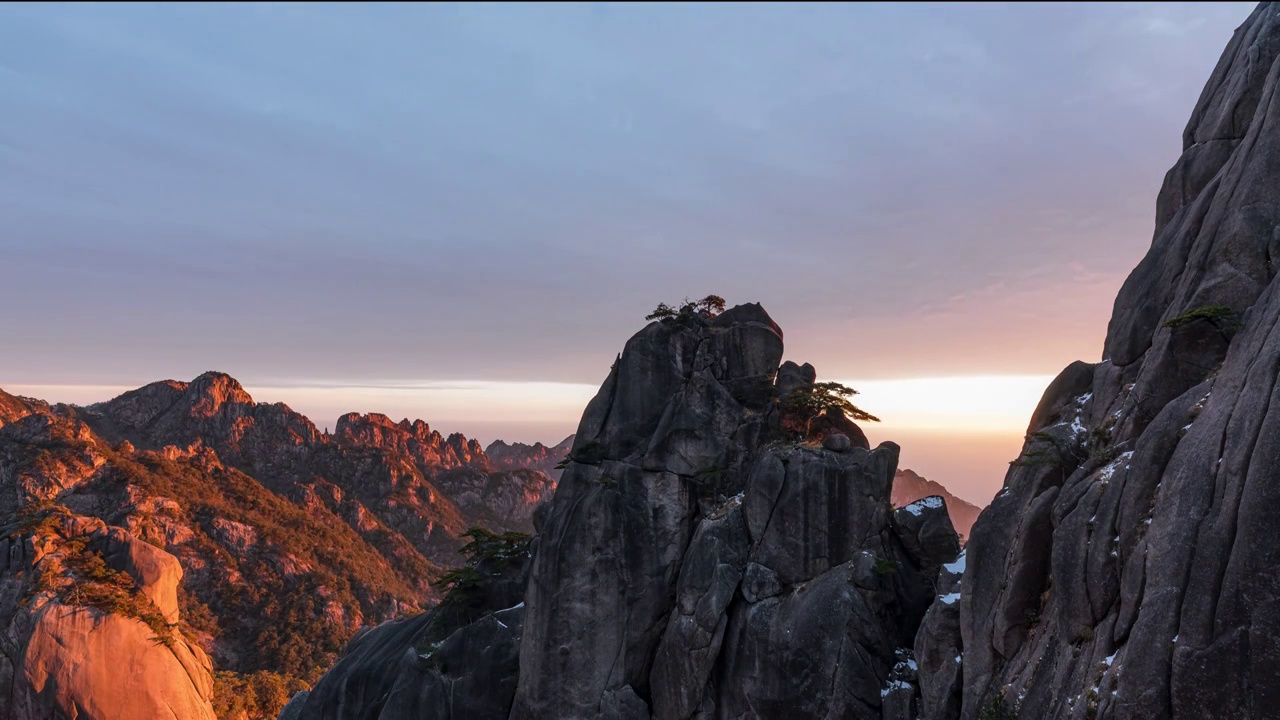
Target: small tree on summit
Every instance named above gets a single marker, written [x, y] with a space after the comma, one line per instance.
[662, 312]
[808, 403]
[711, 306]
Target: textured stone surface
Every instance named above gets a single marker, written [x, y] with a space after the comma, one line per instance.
[1126, 570]
[607, 561]
[156, 572]
[709, 577]
[450, 662]
[81, 663]
[471, 675]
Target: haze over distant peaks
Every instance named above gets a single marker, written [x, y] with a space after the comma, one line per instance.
[268, 542]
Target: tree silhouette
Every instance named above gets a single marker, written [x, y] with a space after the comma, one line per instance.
[808, 403]
[711, 306]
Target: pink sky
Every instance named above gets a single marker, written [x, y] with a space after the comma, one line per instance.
[461, 213]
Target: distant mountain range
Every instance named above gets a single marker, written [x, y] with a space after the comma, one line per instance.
[536, 456]
[270, 542]
[287, 540]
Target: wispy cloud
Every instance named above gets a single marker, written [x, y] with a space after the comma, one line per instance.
[365, 192]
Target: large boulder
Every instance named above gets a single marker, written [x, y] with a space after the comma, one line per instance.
[80, 662]
[156, 572]
[471, 675]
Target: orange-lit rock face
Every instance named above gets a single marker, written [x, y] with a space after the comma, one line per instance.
[190, 504]
[79, 662]
[156, 572]
[427, 448]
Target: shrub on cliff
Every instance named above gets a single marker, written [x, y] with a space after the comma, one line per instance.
[710, 306]
[93, 583]
[1221, 318]
[488, 555]
[807, 403]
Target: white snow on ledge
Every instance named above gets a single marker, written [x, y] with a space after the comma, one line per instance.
[932, 502]
[895, 685]
[1109, 470]
[958, 566]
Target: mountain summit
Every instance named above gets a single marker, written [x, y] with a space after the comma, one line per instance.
[721, 544]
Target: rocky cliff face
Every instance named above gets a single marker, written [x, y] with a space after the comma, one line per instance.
[696, 560]
[286, 542]
[14, 408]
[909, 487]
[416, 440]
[380, 476]
[88, 613]
[1127, 568]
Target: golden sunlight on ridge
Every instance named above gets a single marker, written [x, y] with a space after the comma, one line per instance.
[964, 405]
[962, 431]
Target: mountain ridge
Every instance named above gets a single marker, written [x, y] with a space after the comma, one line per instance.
[288, 540]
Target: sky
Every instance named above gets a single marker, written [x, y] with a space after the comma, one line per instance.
[461, 212]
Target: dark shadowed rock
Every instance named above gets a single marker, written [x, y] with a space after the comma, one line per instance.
[694, 562]
[924, 528]
[1126, 570]
[471, 675]
[808, 511]
[909, 487]
[709, 577]
[608, 558]
[457, 660]
[293, 709]
[792, 377]
[940, 650]
[836, 442]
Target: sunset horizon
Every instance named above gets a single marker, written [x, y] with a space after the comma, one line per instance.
[927, 416]
[658, 361]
